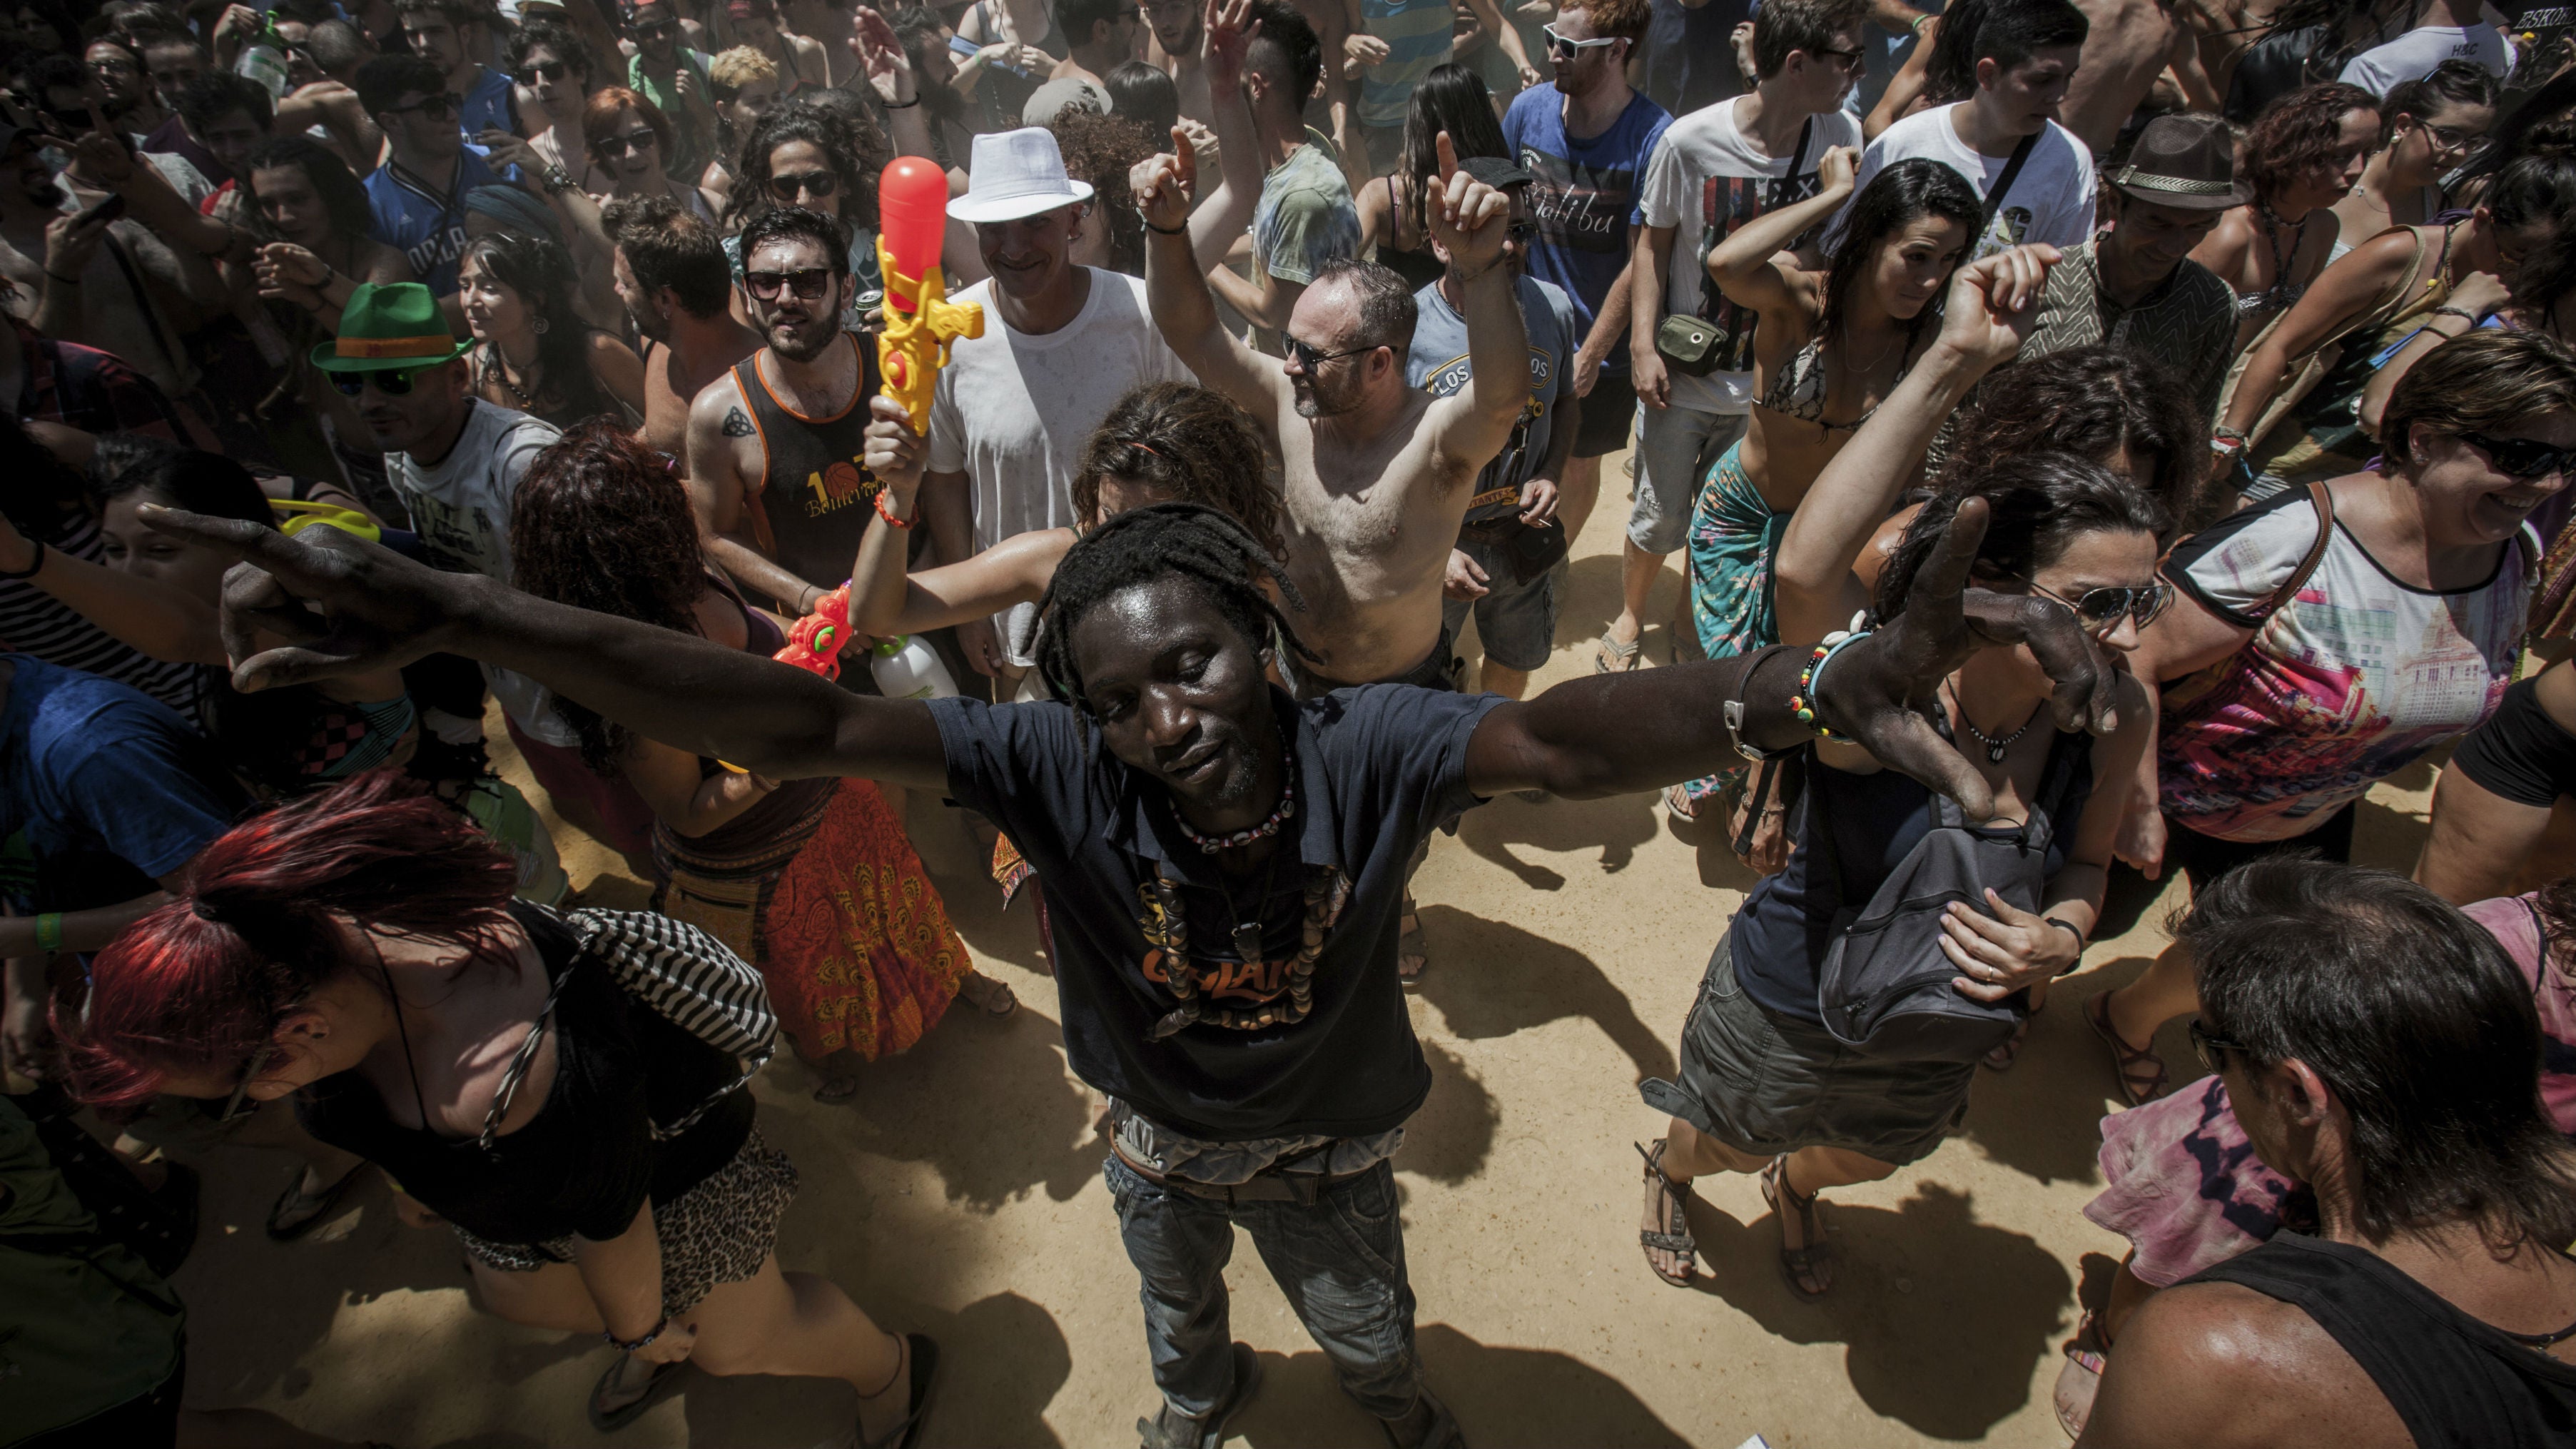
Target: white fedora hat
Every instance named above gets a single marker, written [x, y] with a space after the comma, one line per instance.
[1016, 174]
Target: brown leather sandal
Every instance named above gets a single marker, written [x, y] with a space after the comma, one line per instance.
[1800, 1266]
[1676, 1236]
[2141, 1072]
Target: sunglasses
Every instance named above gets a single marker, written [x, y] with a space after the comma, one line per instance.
[2212, 1048]
[1520, 230]
[1309, 357]
[241, 1090]
[638, 142]
[434, 107]
[1848, 59]
[818, 184]
[654, 29]
[114, 67]
[543, 72]
[808, 285]
[1567, 46]
[2523, 457]
[2099, 610]
[392, 381]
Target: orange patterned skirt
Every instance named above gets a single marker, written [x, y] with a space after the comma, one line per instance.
[818, 887]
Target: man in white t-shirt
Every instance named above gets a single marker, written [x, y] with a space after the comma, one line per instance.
[1062, 344]
[2446, 30]
[1714, 170]
[2026, 55]
[454, 460]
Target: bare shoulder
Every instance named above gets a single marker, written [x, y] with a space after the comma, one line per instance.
[2217, 1365]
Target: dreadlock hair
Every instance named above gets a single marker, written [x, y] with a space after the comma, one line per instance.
[1190, 444]
[1190, 541]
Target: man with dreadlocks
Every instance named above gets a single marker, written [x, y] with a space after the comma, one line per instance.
[1223, 863]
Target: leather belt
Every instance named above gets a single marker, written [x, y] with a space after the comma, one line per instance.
[1268, 1185]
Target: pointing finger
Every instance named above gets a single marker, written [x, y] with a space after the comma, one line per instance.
[236, 539]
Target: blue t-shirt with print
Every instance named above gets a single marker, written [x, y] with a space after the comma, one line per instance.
[490, 104]
[1585, 195]
[1377, 768]
[112, 788]
[1438, 364]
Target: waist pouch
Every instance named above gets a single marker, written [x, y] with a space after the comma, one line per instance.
[1687, 345]
[1529, 549]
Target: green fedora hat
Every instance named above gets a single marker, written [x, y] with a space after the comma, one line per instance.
[388, 326]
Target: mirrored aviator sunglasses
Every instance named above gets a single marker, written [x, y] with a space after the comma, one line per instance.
[391, 381]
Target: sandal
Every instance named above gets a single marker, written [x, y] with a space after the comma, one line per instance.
[1613, 657]
[2001, 1059]
[666, 1377]
[1799, 1266]
[991, 997]
[1676, 1235]
[833, 1091]
[2079, 1379]
[924, 1356]
[2141, 1073]
[1677, 803]
[1167, 1430]
[1412, 946]
[294, 1214]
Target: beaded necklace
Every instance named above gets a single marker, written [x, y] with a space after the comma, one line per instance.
[1183, 980]
[1287, 808]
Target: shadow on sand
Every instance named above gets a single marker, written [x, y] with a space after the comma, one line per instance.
[1491, 980]
[1503, 1397]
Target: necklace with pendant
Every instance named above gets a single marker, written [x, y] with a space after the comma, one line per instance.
[1994, 747]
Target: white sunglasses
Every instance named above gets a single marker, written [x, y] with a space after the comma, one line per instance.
[1567, 43]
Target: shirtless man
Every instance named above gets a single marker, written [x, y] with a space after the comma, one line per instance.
[1176, 37]
[775, 444]
[671, 273]
[1377, 472]
[2127, 50]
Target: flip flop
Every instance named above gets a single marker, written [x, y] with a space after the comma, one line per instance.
[2078, 1380]
[666, 1377]
[1412, 945]
[1613, 657]
[1000, 1001]
[284, 1230]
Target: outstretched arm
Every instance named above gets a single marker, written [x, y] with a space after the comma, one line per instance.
[1747, 266]
[1184, 311]
[1990, 309]
[1616, 733]
[351, 606]
[1469, 222]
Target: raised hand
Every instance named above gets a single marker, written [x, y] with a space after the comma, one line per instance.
[1837, 168]
[1228, 29]
[283, 269]
[894, 452]
[881, 54]
[1994, 302]
[1469, 219]
[344, 605]
[72, 239]
[1166, 186]
[1877, 691]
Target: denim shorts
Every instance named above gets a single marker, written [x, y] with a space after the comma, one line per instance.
[1765, 1083]
[1515, 621]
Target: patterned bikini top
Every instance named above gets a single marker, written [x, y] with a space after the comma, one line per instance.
[1798, 390]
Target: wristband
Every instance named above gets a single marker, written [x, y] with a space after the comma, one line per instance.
[1919, 22]
[887, 514]
[1181, 230]
[623, 1345]
[900, 105]
[1732, 711]
[49, 932]
[2069, 928]
[35, 561]
[2460, 312]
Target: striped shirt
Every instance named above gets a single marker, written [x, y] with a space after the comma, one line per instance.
[1418, 36]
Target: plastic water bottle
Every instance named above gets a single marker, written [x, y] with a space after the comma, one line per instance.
[906, 668]
[264, 59]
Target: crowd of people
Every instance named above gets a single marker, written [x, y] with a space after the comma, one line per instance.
[2098, 438]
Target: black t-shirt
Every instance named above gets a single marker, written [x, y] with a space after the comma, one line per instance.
[587, 1161]
[1378, 768]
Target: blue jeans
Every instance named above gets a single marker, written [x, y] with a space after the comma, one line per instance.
[1340, 1261]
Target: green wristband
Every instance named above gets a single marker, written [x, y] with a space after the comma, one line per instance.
[49, 932]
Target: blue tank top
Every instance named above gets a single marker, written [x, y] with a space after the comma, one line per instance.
[1782, 931]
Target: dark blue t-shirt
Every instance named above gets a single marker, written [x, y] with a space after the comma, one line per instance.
[1378, 768]
[112, 788]
[490, 104]
[1585, 195]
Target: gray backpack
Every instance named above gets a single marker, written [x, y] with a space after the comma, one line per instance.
[1884, 989]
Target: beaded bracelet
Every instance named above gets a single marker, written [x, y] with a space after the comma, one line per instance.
[1803, 703]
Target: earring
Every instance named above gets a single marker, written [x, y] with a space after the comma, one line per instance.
[541, 327]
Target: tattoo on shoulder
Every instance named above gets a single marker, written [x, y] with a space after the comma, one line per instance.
[737, 423]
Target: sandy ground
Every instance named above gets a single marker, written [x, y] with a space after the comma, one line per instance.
[960, 1194]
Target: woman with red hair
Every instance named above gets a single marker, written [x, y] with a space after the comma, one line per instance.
[360, 951]
[812, 881]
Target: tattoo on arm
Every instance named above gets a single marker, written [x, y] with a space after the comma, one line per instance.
[737, 423]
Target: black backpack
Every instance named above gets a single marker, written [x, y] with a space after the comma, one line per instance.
[1884, 989]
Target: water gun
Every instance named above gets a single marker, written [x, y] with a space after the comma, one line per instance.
[814, 642]
[920, 321]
